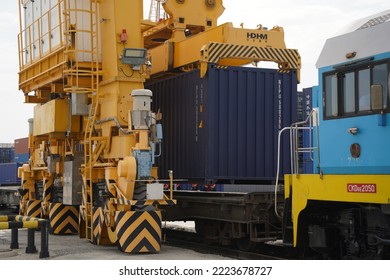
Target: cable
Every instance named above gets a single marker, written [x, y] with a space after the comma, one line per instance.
[128, 76]
[115, 120]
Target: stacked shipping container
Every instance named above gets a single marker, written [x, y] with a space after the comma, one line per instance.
[22, 153]
[6, 152]
[12, 156]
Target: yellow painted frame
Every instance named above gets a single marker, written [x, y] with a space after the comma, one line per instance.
[332, 188]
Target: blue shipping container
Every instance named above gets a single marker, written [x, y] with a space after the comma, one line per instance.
[22, 158]
[224, 127]
[9, 174]
[307, 97]
[6, 154]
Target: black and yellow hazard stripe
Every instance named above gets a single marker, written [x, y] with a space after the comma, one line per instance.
[19, 221]
[123, 201]
[289, 58]
[23, 193]
[96, 225]
[23, 200]
[34, 208]
[16, 224]
[4, 218]
[20, 218]
[138, 231]
[47, 192]
[99, 234]
[169, 202]
[63, 219]
[111, 187]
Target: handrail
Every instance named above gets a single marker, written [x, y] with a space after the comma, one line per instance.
[312, 120]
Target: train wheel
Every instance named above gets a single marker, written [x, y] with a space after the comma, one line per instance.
[100, 234]
[138, 231]
[63, 218]
[207, 230]
[33, 208]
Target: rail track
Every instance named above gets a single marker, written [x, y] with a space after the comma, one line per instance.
[190, 240]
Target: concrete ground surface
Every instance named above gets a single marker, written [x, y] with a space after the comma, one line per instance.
[71, 247]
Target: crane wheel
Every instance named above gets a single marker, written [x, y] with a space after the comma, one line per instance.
[138, 231]
[33, 208]
[100, 235]
[63, 219]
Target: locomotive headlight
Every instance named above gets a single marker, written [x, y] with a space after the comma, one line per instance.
[353, 130]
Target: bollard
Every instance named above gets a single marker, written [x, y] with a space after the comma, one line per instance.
[31, 249]
[44, 240]
[31, 224]
[14, 239]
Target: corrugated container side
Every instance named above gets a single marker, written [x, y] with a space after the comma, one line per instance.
[9, 174]
[12, 154]
[6, 145]
[6, 155]
[225, 126]
[21, 146]
[307, 97]
[22, 158]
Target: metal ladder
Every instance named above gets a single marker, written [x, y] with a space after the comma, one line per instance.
[309, 124]
[83, 78]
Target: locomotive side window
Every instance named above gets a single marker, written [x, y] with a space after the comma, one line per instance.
[347, 90]
[364, 89]
[331, 103]
[380, 77]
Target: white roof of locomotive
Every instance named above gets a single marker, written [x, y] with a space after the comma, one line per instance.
[366, 37]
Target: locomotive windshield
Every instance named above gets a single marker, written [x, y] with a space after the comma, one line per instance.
[347, 90]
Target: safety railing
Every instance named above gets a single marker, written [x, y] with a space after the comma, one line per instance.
[39, 37]
[15, 222]
[310, 124]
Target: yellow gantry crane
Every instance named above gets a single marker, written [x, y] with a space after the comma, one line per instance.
[93, 136]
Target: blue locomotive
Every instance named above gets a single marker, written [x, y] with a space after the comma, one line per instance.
[341, 209]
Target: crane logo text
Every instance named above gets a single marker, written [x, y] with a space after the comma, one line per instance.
[256, 36]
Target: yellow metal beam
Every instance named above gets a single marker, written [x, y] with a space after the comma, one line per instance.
[225, 46]
[335, 188]
[42, 72]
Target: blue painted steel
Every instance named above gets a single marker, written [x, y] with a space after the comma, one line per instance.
[224, 127]
[9, 174]
[22, 158]
[335, 140]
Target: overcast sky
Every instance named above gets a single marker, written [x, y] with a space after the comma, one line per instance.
[307, 24]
